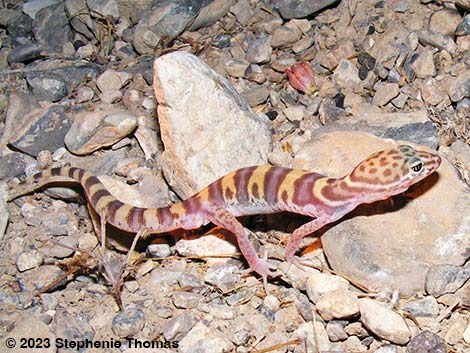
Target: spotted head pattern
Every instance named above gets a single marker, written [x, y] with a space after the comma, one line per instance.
[389, 172]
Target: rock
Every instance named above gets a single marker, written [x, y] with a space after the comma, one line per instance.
[385, 93]
[60, 249]
[259, 50]
[242, 11]
[286, 35]
[178, 326]
[25, 53]
[128, 322]
[211, 13]
[466, 334]
[14, 164]
[335, 331]
[437, 40]
[424, 133]
[28, 260]
[445, 21]
[463, 29]
[357, 248]
[32, 328]
[103, 8]
[431, 92]
[298, 8]
[20, 25]
[195, 163]
[223, 276]
[342, 51]
[319, 284]
[387, 349]
[202, 337]
[425, 342]
[339, 304]
[256, 95]
[314, 336]
[456, 328]
[111, 96]
[32, 7]
[186, 300]
[442, 279]
[236, 68]
[302, 44]
[94, 130]
[383, 322]
[42, 129]
[423, 66]
[346, 74]
[112, 80]
[164, 21]
[80, 19]
[220, 41]
[49, 87]
[159, 251]
[207, 246]
[51, 27]
[426, 307]
[460, 87]
[84, 94]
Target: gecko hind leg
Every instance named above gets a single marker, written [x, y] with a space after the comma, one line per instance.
[222, 218]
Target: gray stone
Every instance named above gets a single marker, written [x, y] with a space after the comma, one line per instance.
[186, 300]
[103, 8]
[426, 307]
[256, 95]
[45, 130]
[178, 326]
[259, 50]
[20, 25]
[49, 87]
[421, 133]
[385, 93]
[299, 8]
[51, 27]
[460, 87]
[29, 260]
[14, 164]
[128, 322]
[463, 28]
[165, 20]
[346, 74]
[80, 19]
[437, 40]
[159, 251]
[25, 53]
[220, 40]
[426, 342]
[32, 7]
[442, 279]
[93, 130]
[211, 13]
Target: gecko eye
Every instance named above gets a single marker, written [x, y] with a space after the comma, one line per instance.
[417, 167]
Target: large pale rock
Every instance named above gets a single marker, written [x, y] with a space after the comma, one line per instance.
[392, 244]
[208, 130]
[384, 322]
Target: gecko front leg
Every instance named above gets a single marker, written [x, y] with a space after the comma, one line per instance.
[224, 219]
[297, 235]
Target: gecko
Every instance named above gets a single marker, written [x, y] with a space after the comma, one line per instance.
[255, 190]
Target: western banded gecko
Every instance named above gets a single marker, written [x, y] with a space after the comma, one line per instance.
[256, 190]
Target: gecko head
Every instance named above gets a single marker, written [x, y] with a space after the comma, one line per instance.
[392, 171]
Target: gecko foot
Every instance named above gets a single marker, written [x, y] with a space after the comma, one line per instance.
[294, 260]
[262, 267]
